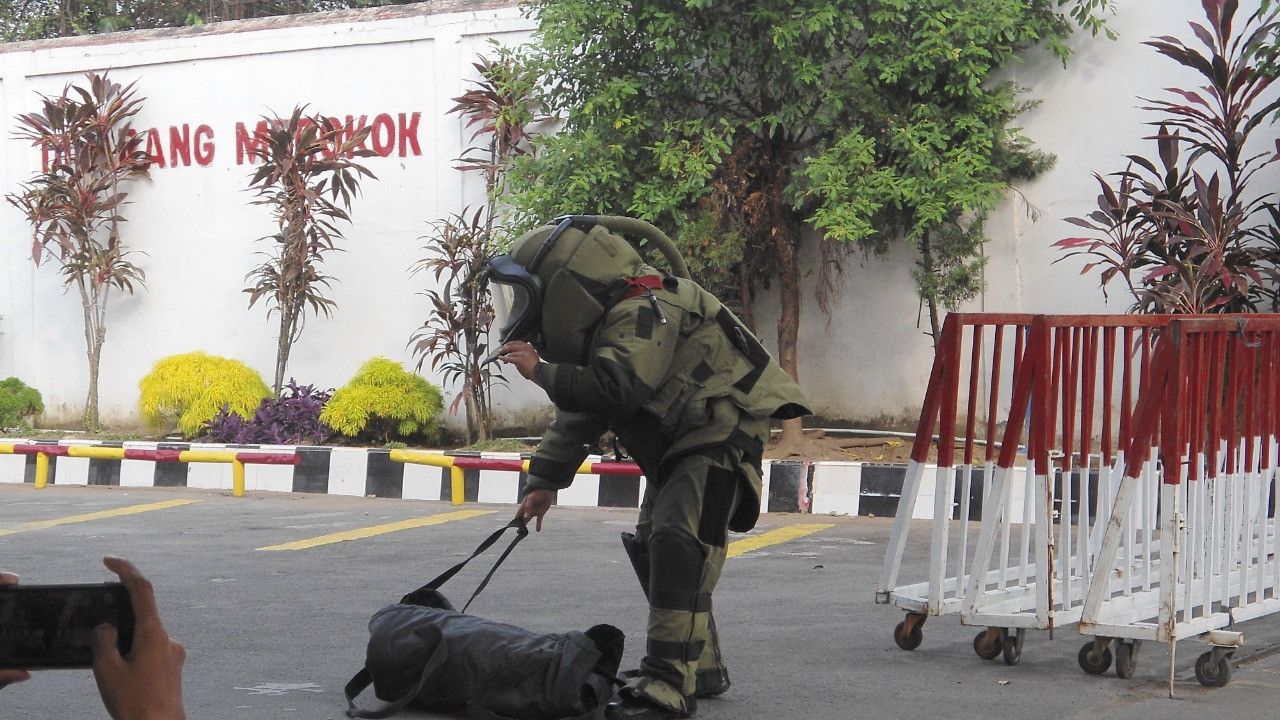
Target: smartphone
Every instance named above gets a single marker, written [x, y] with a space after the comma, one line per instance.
[51, 626]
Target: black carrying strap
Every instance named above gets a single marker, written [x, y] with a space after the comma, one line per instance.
[521, 526]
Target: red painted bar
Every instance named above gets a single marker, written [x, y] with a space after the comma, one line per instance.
[1058, 355]
[1216, 380]
[1108, 380]
[1171, 436]
[260, 458]
[951, 337]
[1126, 391]
[1233, 398]
[467, 462]
[615, 468]
[1070, 390]
[971, 408]
[1269, 390]
[1249, 381]
[154, 455]
[1042, 395]
[1089, 378]
[993, 406]
[1145, 414]
[1018, 405]
[1199, 400]
[1019, 348]
[37, 448]
[929, 412]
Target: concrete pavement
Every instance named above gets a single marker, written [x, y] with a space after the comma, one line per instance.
[275, 634]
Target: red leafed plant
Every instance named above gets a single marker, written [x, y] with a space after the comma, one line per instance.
[455, 336]
[307, 178]
[1186, 239]
[74, 204]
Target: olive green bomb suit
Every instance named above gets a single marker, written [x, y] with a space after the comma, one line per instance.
[689, 392]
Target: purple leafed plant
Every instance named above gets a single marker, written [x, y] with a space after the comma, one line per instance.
[291, 419]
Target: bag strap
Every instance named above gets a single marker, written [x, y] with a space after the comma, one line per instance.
[364, 679]
[521, 526]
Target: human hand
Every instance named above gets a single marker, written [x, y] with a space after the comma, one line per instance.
[522, 355]
[535, 505]
[10, 676]
[147, 685]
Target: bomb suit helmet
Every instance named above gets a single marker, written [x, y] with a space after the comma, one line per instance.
[554, 286]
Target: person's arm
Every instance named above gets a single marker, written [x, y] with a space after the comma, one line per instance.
[556, 460]
[147, 685]
[632, 355]
[9, 676]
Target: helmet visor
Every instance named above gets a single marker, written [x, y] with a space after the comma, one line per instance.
[517, 296]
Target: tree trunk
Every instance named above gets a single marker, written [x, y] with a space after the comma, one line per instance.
[93, 353]
[783, 235]
[931, 297]
[91, 419]
[472, 420]
[283, 345]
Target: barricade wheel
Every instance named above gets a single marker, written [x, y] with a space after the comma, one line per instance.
[905, 640]
[1012, 647]
[1094, 664]
[1126, 659]
[987, 650]
[1213, 674]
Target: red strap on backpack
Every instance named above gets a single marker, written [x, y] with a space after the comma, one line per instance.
[642, 285]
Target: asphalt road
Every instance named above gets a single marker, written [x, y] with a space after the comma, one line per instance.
[275, 634]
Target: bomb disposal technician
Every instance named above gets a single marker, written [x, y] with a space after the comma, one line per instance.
[618, 345]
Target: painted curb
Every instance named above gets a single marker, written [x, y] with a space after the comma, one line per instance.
[789, 486]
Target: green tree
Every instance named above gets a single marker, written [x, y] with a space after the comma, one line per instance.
[752, 121]
[74, 204]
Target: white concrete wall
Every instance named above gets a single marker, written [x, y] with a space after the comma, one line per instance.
[194, 223]
[198, 232]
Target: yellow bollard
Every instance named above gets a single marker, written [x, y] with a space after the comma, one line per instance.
[42, 470]
[237, 478]
[459, 489]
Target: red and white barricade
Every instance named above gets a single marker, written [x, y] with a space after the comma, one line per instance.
[1204, 443]
[1052, 397]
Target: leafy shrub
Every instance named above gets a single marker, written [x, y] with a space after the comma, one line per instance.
[18, 403]
[189, 390]
[384, 401]
[291, 419]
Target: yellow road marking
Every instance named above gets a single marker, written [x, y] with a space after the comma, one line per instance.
[100, 515]
[383, 529]
[773, 537]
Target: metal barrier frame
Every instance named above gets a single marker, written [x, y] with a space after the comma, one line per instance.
[1218, 455]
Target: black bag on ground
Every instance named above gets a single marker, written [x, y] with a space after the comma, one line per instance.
[425, 654]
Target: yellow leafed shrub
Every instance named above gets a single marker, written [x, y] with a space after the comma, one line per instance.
[188, 390]
[383, 401]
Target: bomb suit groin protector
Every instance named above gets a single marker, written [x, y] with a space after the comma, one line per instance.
[688, 390]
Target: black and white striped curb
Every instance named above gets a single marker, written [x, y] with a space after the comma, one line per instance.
[839, 488]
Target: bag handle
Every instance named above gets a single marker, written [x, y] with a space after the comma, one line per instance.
[521, 526]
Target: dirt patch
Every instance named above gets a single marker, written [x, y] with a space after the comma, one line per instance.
[818, 445]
